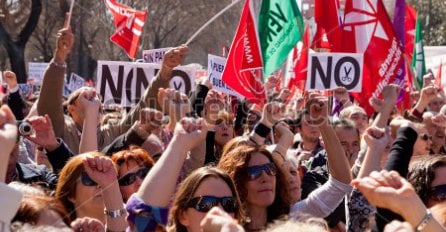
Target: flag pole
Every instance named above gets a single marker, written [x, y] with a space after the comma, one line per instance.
[210, 21]
[69, 14]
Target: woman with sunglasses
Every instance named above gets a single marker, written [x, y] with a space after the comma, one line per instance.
[199, 192]
[133, 165]
[428, 176]
[257, 179]
[254, 171]
[88, 184]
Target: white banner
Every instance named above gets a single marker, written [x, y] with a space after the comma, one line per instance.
[327, 71]
[216, 64]
[123, 83]
[35, 72]
[154, 55]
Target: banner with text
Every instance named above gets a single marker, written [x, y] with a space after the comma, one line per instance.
[35, 72]
[154, 55]
[327, 71]
[216, 64]
[123, 83]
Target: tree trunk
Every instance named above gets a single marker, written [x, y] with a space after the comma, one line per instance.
[16, 47]
[16, 55]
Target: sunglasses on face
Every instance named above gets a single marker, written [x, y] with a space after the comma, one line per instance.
[219, 122]
[425, 137]
[254, 172]
[438, 193]
[87, 181]
[205, 203]
[131, 177]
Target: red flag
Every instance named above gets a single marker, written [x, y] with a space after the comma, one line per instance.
[410, 24]
[300, 61]
[243, 69]
[329, 32]
[370, 29]
[129, 24]
[438, 77]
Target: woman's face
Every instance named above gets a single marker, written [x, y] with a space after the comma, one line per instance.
[224, 131]
[423, 143]
[210, 186]
[88, 200]
[438, 139]
[261, 191]
[126, 170]
[440, 179]
[294, 190]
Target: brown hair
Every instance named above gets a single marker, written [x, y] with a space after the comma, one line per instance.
[32, 206]
[135, 153]
[66, 185]
[187, 189]
[234, 143]
[235, 163]
[422, 173]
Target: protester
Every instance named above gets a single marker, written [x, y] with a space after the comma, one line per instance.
[133, 165]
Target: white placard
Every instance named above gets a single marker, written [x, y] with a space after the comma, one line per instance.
[123, 83]
[327, 71]
[216, 64]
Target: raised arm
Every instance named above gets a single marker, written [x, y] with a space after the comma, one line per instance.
[188, 133]
[171, 59]
[390, 94]
[91, 104]
[338, 163]
[15, 100]
[10, 200]
[50, 99]
[150, 119]
[102, 170]
[376, 139]
[389, 190]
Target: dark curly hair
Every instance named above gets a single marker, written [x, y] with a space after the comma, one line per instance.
[422, 173]
[235, 163]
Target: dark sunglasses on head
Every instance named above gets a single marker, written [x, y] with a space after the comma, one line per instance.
[205, 203]
[425, 137]
[438, 193]
[87, 181]
[131, 177]
[255, 172]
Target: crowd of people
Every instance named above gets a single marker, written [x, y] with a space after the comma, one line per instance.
[202, 163]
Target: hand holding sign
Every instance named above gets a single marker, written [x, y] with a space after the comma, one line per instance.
[64, 43]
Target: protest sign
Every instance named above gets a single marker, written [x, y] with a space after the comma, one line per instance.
[327, 71]
[154, 55]
[124, 83]
[216, 64]
[35, 72]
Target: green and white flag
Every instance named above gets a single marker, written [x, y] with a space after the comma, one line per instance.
[418, 64]
[280, 27]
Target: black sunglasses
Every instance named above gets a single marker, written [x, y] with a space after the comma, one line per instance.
[254, 172]
[438, 193]
[131, 177]
[205, 203]
[425, 137]
[86, 180]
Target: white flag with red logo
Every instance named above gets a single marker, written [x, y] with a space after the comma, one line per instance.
[129, 25]
[368, 25]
